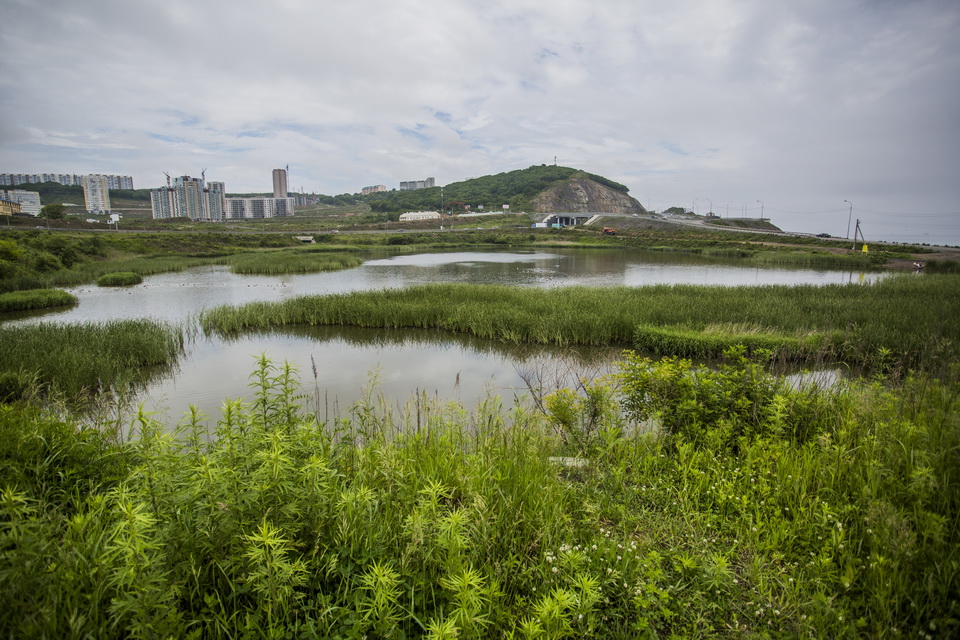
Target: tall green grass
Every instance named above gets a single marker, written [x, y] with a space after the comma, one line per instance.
[912, 320]
[434, 521]
[80, 359]
[818, 259]
[35, 299]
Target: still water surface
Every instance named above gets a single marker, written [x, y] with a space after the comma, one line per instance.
[449, 366]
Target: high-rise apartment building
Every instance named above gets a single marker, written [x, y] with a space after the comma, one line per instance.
[188, 193]
[96, 193]
[279, 183]
[217, 199]
[161, 203]
[188, 198]
[196, 199]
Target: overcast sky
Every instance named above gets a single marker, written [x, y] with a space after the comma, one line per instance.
[799, 104]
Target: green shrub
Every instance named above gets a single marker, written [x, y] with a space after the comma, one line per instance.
[15, 386]
[737, 400]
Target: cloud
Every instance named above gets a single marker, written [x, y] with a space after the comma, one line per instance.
[802, 105]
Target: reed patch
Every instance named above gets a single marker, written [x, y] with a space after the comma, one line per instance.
[78, 360]
[35, 299]
[119, 279]
[904, 321]
[291, 261]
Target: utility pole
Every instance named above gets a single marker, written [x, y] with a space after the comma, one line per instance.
[849, 217]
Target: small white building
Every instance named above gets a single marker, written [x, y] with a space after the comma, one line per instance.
[419, 215]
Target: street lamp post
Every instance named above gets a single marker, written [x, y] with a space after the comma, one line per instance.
[761, 209]
[695, 205]
[849, 217]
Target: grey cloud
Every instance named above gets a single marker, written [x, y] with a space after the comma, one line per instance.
[802, 105]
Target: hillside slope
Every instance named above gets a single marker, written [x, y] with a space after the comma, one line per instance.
[568, 189]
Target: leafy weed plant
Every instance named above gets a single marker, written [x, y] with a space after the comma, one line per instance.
[755, 510]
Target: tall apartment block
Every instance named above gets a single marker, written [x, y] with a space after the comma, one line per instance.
[280, 183]
[218, 193]
[197, 199]
[96, 193]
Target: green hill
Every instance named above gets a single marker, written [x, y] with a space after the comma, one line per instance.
[515, 188]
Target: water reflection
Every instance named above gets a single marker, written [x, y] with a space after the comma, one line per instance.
[447, 365]
[178, 296]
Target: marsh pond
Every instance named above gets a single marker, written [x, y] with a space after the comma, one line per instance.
[337, 363]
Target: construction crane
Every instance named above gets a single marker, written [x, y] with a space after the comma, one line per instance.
[168, 178]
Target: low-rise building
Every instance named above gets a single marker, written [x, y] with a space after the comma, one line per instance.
[8, 208]
[418, 215]
[412, 185]
[29, 201]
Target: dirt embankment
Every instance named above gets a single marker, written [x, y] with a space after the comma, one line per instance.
[583, 195]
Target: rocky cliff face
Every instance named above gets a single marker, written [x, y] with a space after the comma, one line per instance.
[583, 195]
